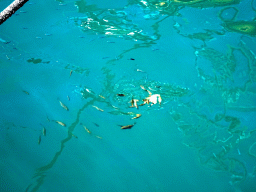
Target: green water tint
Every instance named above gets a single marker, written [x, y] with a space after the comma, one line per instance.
[218, 137]
[131, 89]
[227, 74]
[36, 61]
[228, 13]
[222, 141]
[204, 3]
[111, 22]
[202, 36]
[223, 65]
[108, 22]
[218, 146]
[166, 5]
[117, 23]
[154, 9]
[77, 69]
[228, 16]
[245, 27]
[41, 172]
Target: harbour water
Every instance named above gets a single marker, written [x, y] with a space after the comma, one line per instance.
[70, 71]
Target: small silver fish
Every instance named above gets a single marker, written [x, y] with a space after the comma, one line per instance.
[60, 123]
[44, 131]
[64, 106]
[87, 129]
[137, 116]
[102, 97]
[99, 109]
[98, 137]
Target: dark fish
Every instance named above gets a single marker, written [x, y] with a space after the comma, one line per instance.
[74, 136]
[95, 124]
[26, 92]
[121, 95]
[128, 126]
[39, 140]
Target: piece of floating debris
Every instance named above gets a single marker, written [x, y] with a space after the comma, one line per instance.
[26, 92]
[39, 140]
[60, 123]
[102, 97]
[128, 126]
[140, 71]
[121, 95]
[64, 106]
[137, 116]
[88, 90]
[98, 108]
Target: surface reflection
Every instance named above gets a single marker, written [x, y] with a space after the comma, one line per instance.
[215, 115]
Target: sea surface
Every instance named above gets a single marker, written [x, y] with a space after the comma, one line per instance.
[71, 73]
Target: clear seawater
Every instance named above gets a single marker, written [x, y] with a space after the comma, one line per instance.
[199, 55]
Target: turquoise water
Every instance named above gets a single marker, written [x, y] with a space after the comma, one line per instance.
[198, 55]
